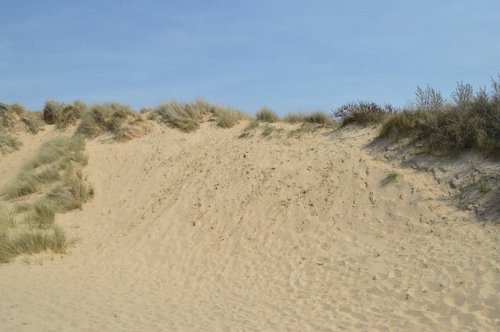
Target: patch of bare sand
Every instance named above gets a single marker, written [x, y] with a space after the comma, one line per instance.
[208, 231]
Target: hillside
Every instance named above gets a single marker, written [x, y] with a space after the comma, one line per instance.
[210, 230]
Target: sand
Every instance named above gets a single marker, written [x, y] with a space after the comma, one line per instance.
[206, 231]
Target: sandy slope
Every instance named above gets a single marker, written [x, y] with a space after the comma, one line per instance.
[207, 231]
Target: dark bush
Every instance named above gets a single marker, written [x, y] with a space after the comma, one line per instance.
[361, 113]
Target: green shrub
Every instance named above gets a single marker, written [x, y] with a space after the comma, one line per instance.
[267, 115]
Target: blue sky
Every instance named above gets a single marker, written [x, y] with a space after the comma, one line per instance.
[287, 55]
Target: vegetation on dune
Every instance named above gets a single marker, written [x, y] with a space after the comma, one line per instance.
[249, 129]
[471, 121]
[103, 118]
[316, 117]
[361, 113]
[7, 142]
[188, 116]
[63, 115]
[50, 183]
[267, 115]
[32, 241]
[390, 177]
[15, 117]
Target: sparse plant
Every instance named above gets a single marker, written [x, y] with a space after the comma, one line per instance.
[267, 131]
[247, 132]
[390, 177]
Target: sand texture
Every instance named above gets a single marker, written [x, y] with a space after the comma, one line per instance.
[206, 231]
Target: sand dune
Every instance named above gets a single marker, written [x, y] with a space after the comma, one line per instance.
[208, 231]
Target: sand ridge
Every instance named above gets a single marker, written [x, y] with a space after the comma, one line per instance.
[208, 231]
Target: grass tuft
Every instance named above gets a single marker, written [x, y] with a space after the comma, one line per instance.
[43, 214]
[267, 115]
[228, 117]
[186, 117]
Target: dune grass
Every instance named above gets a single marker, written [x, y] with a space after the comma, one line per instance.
[50, 183]
[316, 117]
[228, 117]
[32, 242]
[186, 117]
[8, 142]
[105, 118]
[265, 114]
[16, 116]
[7, 218]
[189, 116]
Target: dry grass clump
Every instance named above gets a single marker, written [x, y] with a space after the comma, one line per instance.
[105, 118]
[228, 117]
[471, 122]
[267, 115]
[188, 116]
[361, 113]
